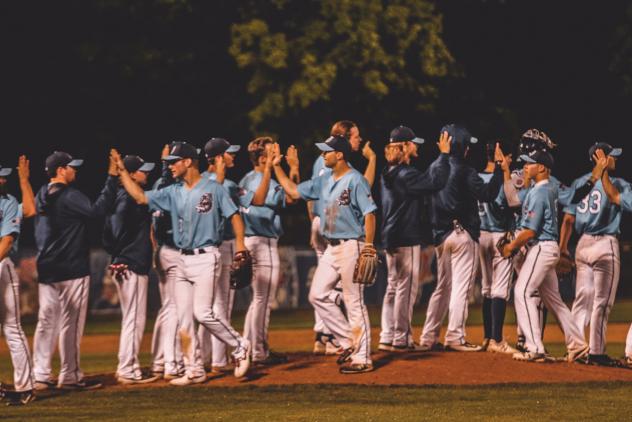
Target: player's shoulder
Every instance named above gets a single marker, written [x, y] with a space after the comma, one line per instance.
[248, 178]
[8, 200]
[582, 179]
[620, 183]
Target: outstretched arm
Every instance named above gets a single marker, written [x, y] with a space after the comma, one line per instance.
[566, 231]
[238, 227]
[132, 188]
[369, 154]
[28, 198]
[369, 227]
[259, 198]
[288, 185]
[523, 237]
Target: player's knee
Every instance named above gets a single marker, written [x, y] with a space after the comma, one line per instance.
[203, 313]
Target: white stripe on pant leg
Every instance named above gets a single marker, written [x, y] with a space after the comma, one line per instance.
[439, 301]
[133, 297]
[606, 270]
[584, 284]
[184, 292]
[325, 279]
[46, 331]
[73, 295]
[526, 309]
[12, 327]
[222, 302]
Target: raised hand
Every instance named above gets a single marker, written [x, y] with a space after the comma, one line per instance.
[220, 168]
[24, 169]
[291, 157]
[165, 152]
[367, 152]
[601, 163]
[116, 163]
[445, 141]
[276, 155]
[499, 156]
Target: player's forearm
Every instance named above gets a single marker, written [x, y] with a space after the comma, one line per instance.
[369, 228]
[289, 187]
[369, 173]
[132, 188]
[5, 246]
[611, 191]
[240, 232]
[28, 199]
[310, 210]
[566, 231]
[524, 236]
[259, 197]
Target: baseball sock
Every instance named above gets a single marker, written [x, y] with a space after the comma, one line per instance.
[499, 305]
[487, 316]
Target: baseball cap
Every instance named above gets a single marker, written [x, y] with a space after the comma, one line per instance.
[606, 148]
[404, 134]
[460, 135]
[218, 146]
[5, 171]
[181, 150]
[538, 157]
[335, 143]
[61, 159]
[135, 163]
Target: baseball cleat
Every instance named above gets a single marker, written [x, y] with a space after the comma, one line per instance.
[144, 379]
[463, 347]
[186, 380]
[485, 344]
[81, 385]
[17, 398]
[356, 368]
[502, 347]
[345, 356]
[44, 385]
[577, 355]
[520, 344]
[222, 369]
[272, 359]
[170, 377]
[437, 347]
[605, 360]
[332, 346]
[242, 359]
[627, 362]
[409, 348]
[320, 345]
[385, 347]
[531, 357]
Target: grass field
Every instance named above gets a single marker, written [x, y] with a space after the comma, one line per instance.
[575, 401]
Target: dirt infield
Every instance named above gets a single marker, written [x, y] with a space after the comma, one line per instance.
[437, 368]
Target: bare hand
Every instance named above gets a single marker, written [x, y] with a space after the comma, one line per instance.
[445, 141]
[220, 167]
[116, 163]
[291, 157]
[276, 155]
[165, 152]
[507, 251]
[601, 163]
[506, 163]
[367, 152]
[499, 156]
[24, 170]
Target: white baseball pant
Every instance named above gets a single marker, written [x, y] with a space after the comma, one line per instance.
[12, 327]
[598, 264]
[401, 292]
[165, 347]
[213, 349]
[132, 293]
[62, 311]
[537, 275]
[265, 280]
[457, 261]
[496, 271]
[196, 286]
[337, 264]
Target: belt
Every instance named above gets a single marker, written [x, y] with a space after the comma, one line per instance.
[198, 251]
[336, 242]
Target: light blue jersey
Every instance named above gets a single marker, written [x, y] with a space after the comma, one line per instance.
[625, 201]
[233, 191]
[261, 220]
[495, 216]
[595, 214]
[344, 203]
[539, 211]
[10, 219]
[197, 214]
[319, 169]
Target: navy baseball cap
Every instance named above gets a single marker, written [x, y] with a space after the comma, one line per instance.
[404, 134]
[5, 171]
[606, 148]
[181, 150]
[135, 163]
[335, 143]
[538, 157]
[460, 135]
[218, 146]
[61, 159]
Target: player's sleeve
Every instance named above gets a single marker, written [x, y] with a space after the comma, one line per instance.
[310, 189]
[276, 196]
[625, 194]
[362, 196]
[533, 215]
[10, 218]
[434, 178]
[80, 205]
[160, 199]
[484, 192]
[226, 205]
[569, 207]
[245, 195]
[317, 167]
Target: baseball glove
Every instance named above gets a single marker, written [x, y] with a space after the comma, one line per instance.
[506, 239]
[241, 270]
[565, 265]
[366, 266]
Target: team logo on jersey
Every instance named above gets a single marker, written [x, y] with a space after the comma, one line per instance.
[205, 204]
[277, 188]
[344, 198]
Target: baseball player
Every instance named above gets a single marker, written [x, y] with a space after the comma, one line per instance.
[456, 228]
[325, 342]
[165, 347]
[623, 199]
[63, 266]
[126, 239]
[402, 187]
[538, 229]
[198, 208]
[220, 155]
[348, 223]
[11, 215]
[496, 271]
[261, 198]
[596, 219]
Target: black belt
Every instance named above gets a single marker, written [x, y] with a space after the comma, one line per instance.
[336, 242]
[192, 251]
